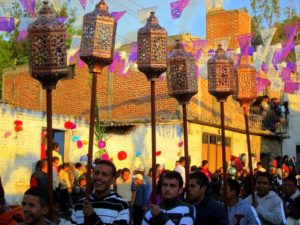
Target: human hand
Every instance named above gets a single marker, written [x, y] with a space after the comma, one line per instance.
[88, 209]
[155, 209]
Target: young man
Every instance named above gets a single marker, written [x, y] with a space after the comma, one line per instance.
[239, 211]
[104, 206]
[206, 207]
[36, 206]
[180, 168]
[171, 211]
[268, 205]
[290, 194]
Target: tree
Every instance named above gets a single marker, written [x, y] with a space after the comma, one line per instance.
[266, 11]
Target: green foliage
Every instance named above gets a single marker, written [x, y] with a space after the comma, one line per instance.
[266, 11]
[12, 52]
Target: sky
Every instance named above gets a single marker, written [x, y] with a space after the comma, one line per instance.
[191, 21]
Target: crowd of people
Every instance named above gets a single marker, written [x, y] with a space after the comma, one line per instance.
[124, 196]
[272, 111]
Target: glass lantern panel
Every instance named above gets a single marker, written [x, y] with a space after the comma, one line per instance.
[39, 52]
[88, 37]
[178, 73]
[143, 50]
[223, 79]
[58, 50]
[159, 49]
[103, 37]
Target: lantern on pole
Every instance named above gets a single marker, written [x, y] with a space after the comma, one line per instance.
[96, 50]
[152, 61]
[48, 64]
[245, 93]
[182, 85]
[220, 71]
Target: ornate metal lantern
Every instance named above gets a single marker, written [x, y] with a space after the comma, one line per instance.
[47, 48]
[182, 82]
[98, 38]
[245, 88]
[220, 75]
[152, 48]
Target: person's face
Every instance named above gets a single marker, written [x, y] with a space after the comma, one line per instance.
[82, 182]
[197, 192]
[102, 178]
[289, 187]
[138, 182]
[33, 210]
[56, 163]
[45, 167]
[171, 189]
[126, 176]
[230, 193]
[262, 186]
[273, 171]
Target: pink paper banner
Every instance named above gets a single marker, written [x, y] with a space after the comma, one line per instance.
[113, 67]
[7, 24]
[285, 74]
[177, 8]
[245, 43]
[22, 35]
[83, 3]
[118, 15]
[29, 6]
[261, 84]
[291, 87]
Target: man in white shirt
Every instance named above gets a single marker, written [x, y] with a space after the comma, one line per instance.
[180, 169]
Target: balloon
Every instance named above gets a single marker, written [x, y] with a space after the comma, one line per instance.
[105, 156]
[75, 138]
[79, 144]
[73, 126]
[138, 153]
[18, 123]
[101, 144]
[180, 144]
[18, 128]
[68, 125]
[7, 134]
[158, 153]
[122, 155]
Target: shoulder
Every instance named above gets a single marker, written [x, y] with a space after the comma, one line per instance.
[116, 199]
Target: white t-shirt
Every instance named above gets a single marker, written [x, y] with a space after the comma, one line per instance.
[124, 188]
[180, 169]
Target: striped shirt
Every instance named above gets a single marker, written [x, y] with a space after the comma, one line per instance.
[111, 209]
[179, 213]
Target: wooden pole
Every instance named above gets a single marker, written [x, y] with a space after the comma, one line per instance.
[224, 154]
[246, 113]
[186, 151]
[153, 135]
[49, 148]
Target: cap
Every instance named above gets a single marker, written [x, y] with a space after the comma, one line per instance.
[138, 176]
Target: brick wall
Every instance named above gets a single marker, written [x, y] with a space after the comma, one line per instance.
[130, 98]
[227, 23]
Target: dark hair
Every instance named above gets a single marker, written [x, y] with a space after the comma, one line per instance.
[54, 158]
[54, 145]
[204, 162]
[1, 190]
[78, 165]
[181, 159]
[107, 163]
[194, 168]
[200, 177]
[64, 165]
[234, 186]
[42, 194]
[264, 174]
[291, 178]
[125, 170]
[174, 175]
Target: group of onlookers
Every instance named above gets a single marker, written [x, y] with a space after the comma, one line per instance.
[124, 196]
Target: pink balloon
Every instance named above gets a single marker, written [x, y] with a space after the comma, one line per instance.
[105, 156]
[79, 144]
